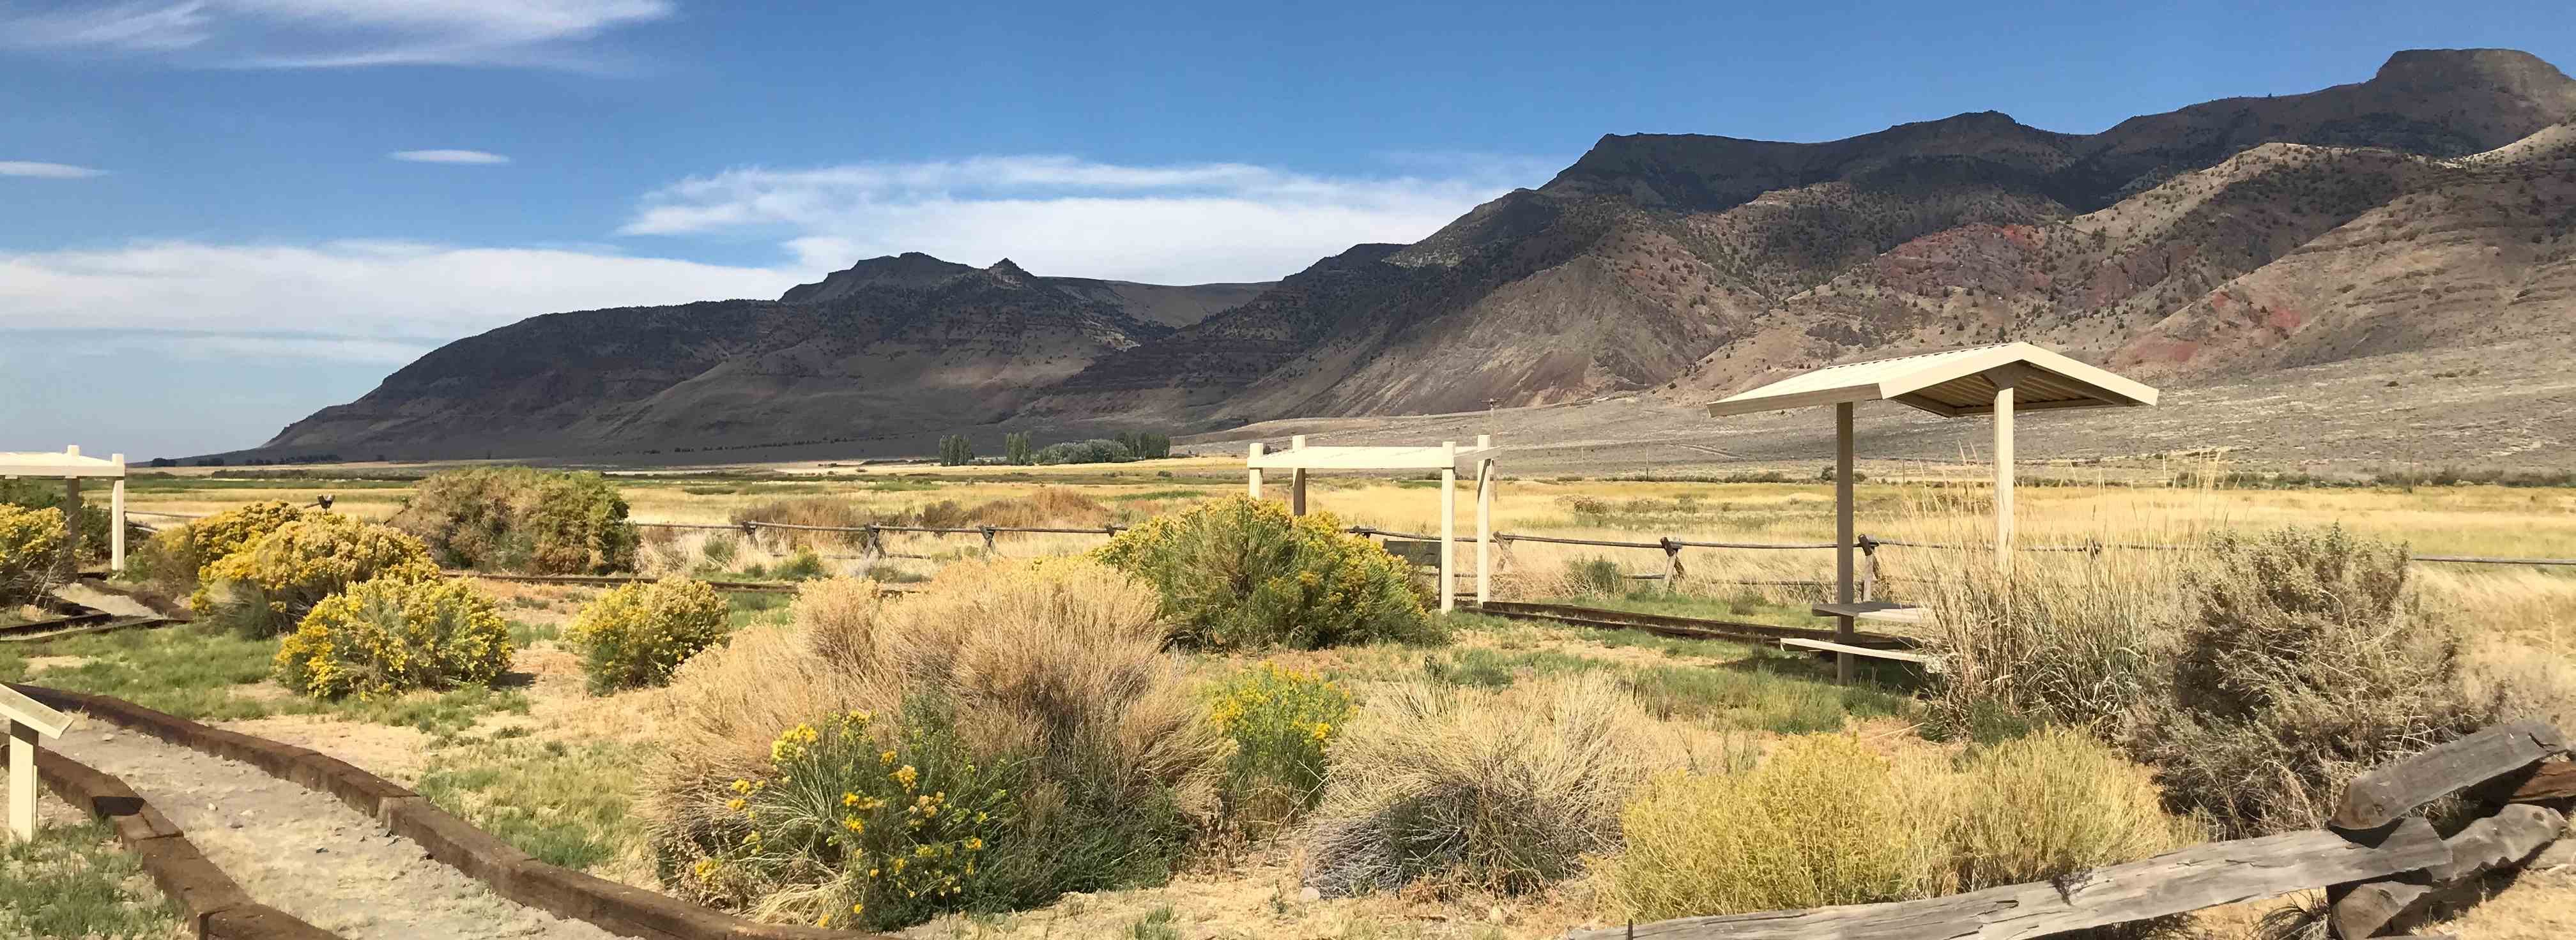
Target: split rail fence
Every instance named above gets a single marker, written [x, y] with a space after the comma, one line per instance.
[872, 545]
[2385, 872]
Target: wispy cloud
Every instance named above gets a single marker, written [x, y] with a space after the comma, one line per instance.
[1061, 214]
[448, 156]
[51, 171]
[335, 33]
[360, 290]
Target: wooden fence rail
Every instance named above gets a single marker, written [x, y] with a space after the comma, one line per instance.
[1670, 546]
[2383, 873]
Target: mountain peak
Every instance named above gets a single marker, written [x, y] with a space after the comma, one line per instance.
[910, 269]
[2511, 70]
[1010, 272]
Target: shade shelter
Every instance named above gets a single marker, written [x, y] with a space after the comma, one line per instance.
[1993, 380]
[1446, 458]
[72, 468]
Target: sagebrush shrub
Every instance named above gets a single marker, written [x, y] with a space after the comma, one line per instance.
[2305, 658]
[266, 587]
[30, 552]
[1054, 667]
[392, 635]
[1595, 577]
[1241, 573]
[522, 519]
[870, 826]
[1500, 791]
[195, 547]
[635, 635]
[1281, 721]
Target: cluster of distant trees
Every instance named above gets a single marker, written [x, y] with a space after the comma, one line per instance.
[1019, 449]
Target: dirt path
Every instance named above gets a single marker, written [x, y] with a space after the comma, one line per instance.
[306, 853]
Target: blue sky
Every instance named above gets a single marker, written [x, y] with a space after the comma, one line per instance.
[225, 213]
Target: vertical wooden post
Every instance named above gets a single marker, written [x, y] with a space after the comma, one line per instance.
[116, 520]
[2004, 382]
[1843, 535]
[22, 780]
[71, 527]
[1672, 565]
[1448, 526]
[988, 540]
[1868, 569]
[1297, 479]
[1252, 480]
[1484, 531]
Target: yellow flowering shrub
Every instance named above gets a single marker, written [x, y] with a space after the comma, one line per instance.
[1280, 721]
[870, 827]
[392, 635]
[188, 553]
[267, 587]
[1241, 573]
[31, 545]
[635, 635]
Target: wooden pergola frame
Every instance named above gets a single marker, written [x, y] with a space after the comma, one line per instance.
[69, 466]
[1981, 380]
[1446, 458]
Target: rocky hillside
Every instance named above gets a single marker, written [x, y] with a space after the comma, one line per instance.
[2429, 206]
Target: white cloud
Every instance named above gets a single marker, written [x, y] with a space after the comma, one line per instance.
[337, 33]
[347, 290]
[448, 156]
[55, 171]
[1062, 215]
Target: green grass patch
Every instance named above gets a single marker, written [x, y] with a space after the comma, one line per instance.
[524, 634]
[1745, 688]
[743, 609]
[438, 713]
[194, 672]
[565, 804]
[74, 881]
[1153, 494]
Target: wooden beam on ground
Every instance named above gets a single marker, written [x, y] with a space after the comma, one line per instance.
[2201, 876]
[2507, 838]
[1898, 655]
[2553, 779]
[2390, 790]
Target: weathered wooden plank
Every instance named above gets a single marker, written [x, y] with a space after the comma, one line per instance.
[2553, 779]
[2366, 908]
[2186, 880]
[2507, 838]
[2393, 789]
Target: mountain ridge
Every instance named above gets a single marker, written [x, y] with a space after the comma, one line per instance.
[1675, 264]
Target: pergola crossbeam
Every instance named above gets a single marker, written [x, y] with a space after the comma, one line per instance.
[1448, 458]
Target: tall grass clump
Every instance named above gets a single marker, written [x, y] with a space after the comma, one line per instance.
[1241, 573]
[30, 553]
[521, 519]
[2305, 658]
[393, 635]
[2055, 638]
[1827, 819]
[1280, 722]
[1595, 577]
[1502, 791]
[1050, 674]
[635, 635]
[267, 587]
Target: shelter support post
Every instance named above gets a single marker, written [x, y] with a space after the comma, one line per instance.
[1843, 533]
[1252, 475]
[71, 527]
[116, 519]
[2004, 380]
[1449, 527]
[22, 780]
[1297, 480]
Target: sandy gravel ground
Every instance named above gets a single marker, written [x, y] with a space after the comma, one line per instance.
[306, 853]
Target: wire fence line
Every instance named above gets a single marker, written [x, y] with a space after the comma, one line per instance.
[1670, 546]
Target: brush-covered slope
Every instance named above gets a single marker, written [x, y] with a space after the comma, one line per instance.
[913, 345]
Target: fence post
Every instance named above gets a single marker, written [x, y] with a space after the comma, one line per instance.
[988, 540]
[1672, 565]
[871, 545]
[1868, 569]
